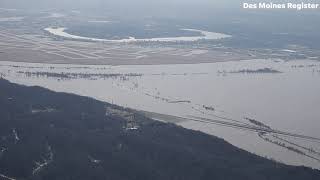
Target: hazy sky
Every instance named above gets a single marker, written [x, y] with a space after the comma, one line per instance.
[118, 4]
[157, 8]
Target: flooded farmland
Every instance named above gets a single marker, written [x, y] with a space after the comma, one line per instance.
[268, 107]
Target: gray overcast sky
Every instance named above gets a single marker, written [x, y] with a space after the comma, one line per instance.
[167, 8]
[114, 3]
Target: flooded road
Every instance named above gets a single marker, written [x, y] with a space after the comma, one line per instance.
[245, 102]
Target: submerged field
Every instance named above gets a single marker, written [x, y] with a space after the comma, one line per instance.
[243, 84]
[268, 107]
[177, 91]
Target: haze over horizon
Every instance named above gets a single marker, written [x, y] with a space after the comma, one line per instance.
[178, 74]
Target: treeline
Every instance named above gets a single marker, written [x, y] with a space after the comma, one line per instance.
[65, 75]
